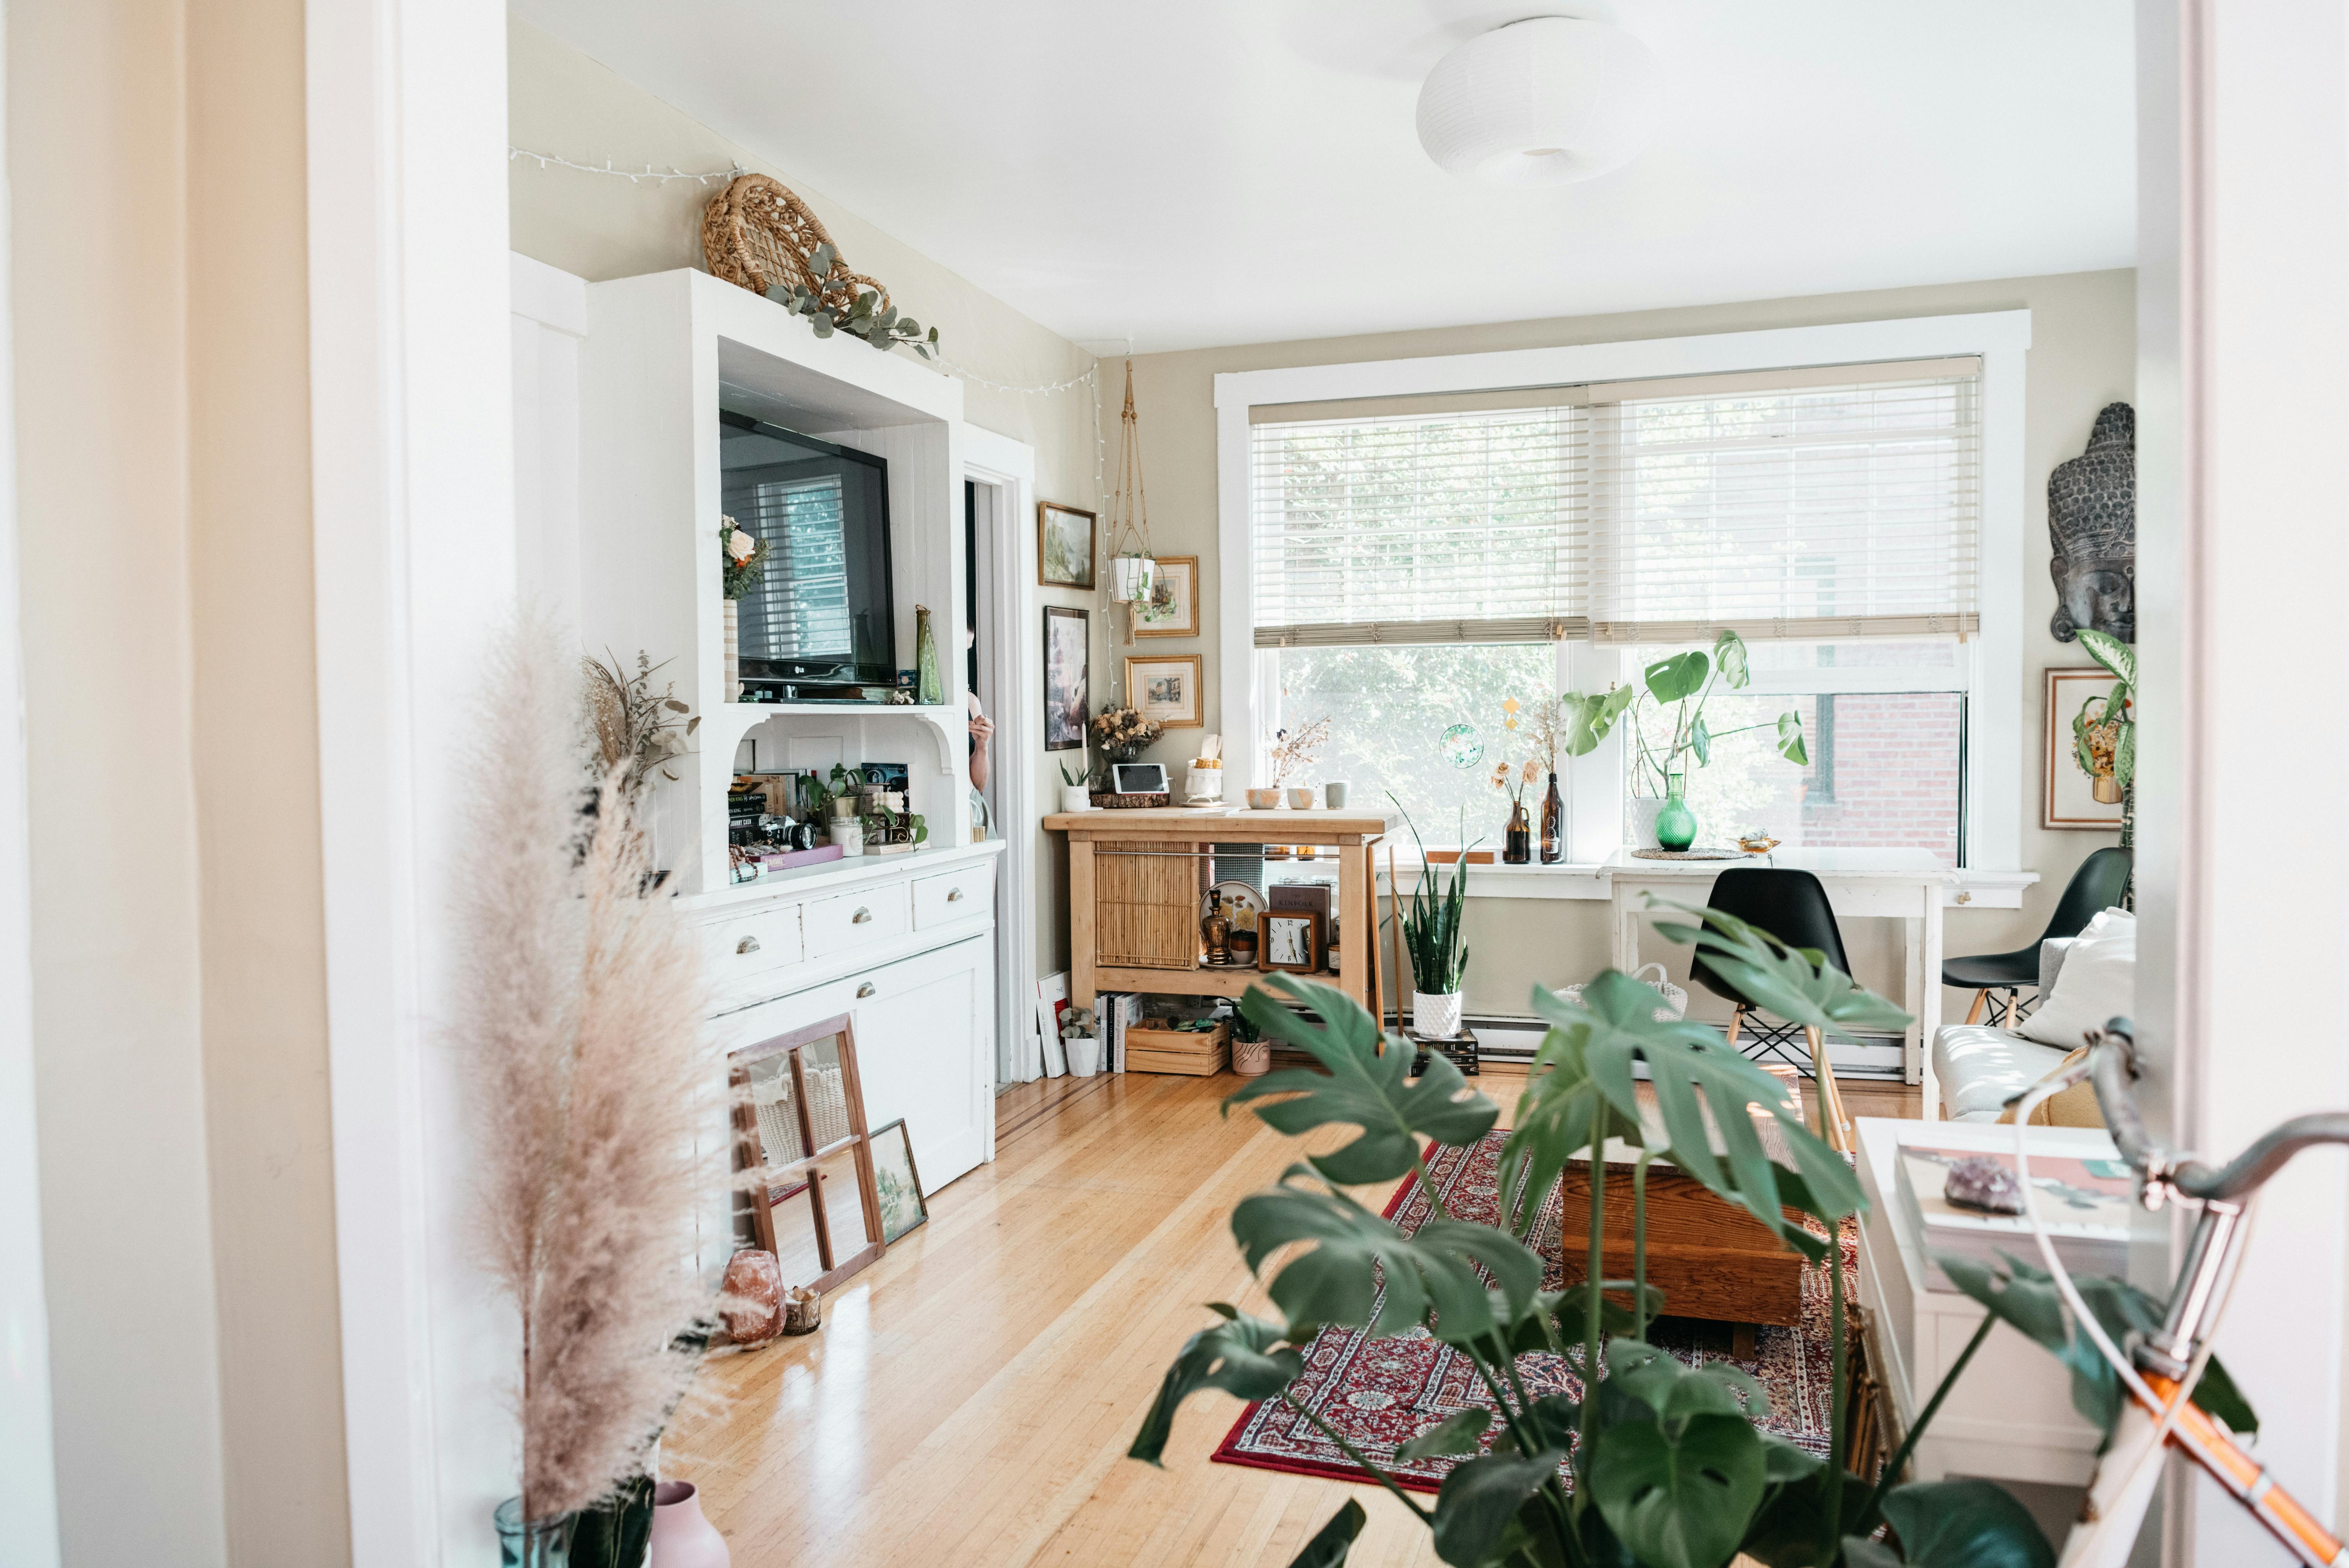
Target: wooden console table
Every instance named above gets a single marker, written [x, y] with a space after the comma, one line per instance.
[1150, 886]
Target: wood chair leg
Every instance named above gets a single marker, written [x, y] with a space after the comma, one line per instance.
[1838, 1126]
[1737, 1022]
[1974, 1013]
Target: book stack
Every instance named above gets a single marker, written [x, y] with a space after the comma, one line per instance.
[2084, 1203]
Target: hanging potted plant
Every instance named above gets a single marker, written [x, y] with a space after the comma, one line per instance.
[741, 562]
[1132, 572]
[1434, 938]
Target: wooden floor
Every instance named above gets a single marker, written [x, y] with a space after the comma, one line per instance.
[971, 1396]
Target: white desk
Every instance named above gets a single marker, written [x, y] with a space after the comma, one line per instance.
[1893, 884]
[2010, 1416]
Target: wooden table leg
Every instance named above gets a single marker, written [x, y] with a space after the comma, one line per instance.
[1741, 1342]
[1394, 931]
[1830, 1098]
[1354, 906]
[1084, 943]
[1928, 1007]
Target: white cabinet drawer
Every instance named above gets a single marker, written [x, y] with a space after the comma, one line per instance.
[953, 895]
[831, 925]
[751, 944]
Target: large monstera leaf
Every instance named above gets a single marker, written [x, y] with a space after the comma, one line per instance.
[1680, 1493]
[1681, 676]
[1361, 1086]
[1797, 984]
[1433, 1269]
[1955, 1524]
[1243, 1355]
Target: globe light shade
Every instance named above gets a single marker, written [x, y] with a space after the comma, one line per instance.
[1545, 101]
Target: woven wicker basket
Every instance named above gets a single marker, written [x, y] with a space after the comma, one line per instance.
[758, 234]
[1675, 997]
[779, 1125]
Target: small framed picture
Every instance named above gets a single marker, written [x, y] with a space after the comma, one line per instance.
[902, 1206]
[1291, 940]
[1064, 546]
[1067, 677]
[1173, 610]
[1165, 689]
[2072, 796]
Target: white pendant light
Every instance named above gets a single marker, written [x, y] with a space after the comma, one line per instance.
[1545, 101]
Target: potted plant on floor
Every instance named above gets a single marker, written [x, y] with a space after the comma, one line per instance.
[1435, 937]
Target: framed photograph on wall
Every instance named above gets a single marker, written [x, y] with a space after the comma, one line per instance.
[1068, 676]
[1291, 940]
[1165, 689]
[1174, 609]
[1064, 546]
[2071, 796]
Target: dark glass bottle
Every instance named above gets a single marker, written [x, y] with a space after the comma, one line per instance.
[1553, 825]
[1519, 845]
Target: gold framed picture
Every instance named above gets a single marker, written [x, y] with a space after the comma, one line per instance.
[1174, 608]
[1165, 689]
[2072, 796]
[1064, 545]
[1291, 940]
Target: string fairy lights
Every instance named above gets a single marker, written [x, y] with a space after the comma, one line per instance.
[658, 177]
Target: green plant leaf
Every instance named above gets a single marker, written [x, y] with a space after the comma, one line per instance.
[1861, 1552]
[1681, 676]
[1237, 1355]
[1672, 1388]
[1782, 1461]
[1965, 1525]
[1461, 1433]
[1792, 1528]
[1680, 1500]
[1729, 658]
[1334, 1541]
[1798, 984]
[1436, 1268]
[2110, 652]
[1362, 1086]
[2124, 757]
[1790, 740]
[1701, 741]
[1478, 1500]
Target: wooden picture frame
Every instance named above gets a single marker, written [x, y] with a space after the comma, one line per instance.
[800, 1167]
[1179, 705]
[892, 1155]
[1065, 540]
[1068, 703]
[1175, 583]
[2065, 800]
[1272, 927]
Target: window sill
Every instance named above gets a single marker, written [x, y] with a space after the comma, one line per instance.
[1970, 888]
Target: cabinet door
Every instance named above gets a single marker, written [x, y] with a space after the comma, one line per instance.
[925, 1051]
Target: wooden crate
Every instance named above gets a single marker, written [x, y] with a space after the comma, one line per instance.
[1192, 1053]
[1147, 904]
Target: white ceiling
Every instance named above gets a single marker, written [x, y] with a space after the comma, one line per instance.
[1194, 173]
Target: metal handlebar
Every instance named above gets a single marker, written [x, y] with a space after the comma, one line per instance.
[2112, 1063]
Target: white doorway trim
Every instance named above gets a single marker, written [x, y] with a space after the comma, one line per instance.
[1005, 471]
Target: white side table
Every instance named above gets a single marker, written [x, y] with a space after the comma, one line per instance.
[2010, 1416]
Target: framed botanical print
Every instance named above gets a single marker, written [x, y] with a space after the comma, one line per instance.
[1064, 546]
[900, 1185]
[1165, 689]
[2079, 791]
[1067, 677]
[1291, 939]
[1174, 607]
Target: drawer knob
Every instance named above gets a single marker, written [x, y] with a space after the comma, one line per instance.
[864, 990]
[860, 917]
[748, 945]
[954, 894]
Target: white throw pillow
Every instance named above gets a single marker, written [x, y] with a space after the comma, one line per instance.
[2096, 984]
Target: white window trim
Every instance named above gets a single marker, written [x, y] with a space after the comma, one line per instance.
[1994, 733]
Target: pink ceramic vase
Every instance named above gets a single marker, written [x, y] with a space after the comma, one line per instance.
[682, 1537]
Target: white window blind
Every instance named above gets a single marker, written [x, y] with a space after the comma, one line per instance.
[1460, 525]
[1838, 502]
[799, 606]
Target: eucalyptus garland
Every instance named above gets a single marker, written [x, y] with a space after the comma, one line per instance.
[867, 315]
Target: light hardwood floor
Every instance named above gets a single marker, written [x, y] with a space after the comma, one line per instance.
[971, 1396]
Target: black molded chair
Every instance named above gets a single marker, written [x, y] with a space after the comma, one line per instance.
[2101, 882]
[1792, 906]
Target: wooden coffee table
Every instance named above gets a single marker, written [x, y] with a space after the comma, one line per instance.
[1710, 1260]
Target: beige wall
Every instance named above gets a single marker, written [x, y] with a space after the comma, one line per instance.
[155, 157]
[564, 103]
[2084, 356]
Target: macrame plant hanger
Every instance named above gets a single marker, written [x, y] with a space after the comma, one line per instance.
[1130, 568]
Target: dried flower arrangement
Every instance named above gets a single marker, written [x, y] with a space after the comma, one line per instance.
[741, 558]
[1122, 733]
[1292, 751]
[579, 1030]
[1512, 781]
[634, 733]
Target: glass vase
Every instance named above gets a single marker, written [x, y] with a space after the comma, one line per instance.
[930, 686]
[1675, 823]
[1519, 847]
[1553, 825]
[541, 1544]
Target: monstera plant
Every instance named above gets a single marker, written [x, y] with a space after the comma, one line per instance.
[1675, 690]
[1663, 1464]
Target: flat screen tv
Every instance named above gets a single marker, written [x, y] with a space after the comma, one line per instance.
[821, 612]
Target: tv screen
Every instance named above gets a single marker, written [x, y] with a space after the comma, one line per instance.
[821, 610]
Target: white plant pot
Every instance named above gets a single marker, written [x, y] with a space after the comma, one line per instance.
[1644, 811]
[1129, 577]
[1084, 1055]
[849, 834]
[1076, 798]
[1438, 1016]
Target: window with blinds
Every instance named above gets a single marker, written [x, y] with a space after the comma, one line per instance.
[1816, 504]
[799, 606]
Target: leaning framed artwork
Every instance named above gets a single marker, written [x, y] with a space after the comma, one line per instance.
[1174, 607]
[900, 1185]
[2079, 791]
[1165, 689]
[1064, 546]
[1067, 677]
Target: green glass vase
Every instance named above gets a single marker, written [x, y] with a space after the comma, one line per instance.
[930, 685]
[1675, 823]
[540, 1543]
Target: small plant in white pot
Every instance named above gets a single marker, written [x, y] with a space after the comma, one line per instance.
[1076, 795]
[1433, 936]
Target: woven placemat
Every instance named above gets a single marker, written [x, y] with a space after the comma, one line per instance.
[1688, 854]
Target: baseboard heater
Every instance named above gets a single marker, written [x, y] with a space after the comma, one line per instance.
[1515, 1039]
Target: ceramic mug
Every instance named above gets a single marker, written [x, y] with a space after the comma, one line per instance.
[1301, 799]
[1263, 799]
[1334, 794]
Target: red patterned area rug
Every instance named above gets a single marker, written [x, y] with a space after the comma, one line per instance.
[1382, 1393]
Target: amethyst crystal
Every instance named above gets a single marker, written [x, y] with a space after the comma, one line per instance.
[1982, 1183]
